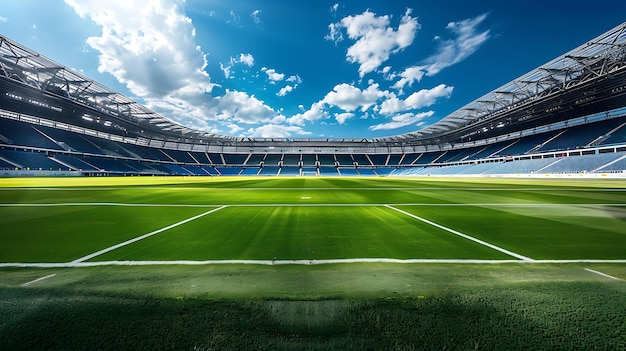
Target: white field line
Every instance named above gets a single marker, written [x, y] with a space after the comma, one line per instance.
[295, 262]
[113, 204]
[510, 253]
[38, 280]
[98, 253]
[320, 189]
[602, 274]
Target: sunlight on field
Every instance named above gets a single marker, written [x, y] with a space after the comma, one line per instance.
[180, 180]
[312, 263]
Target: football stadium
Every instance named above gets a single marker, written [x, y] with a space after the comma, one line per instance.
[501, 226]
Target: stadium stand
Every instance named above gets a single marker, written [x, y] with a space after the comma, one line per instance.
[249, 171]
[531, 131]
[378, 159]
[269, 171]
[289, 171]
[328, 171]
[366, 172]
[235, 159]
[271, 159]
[409, 159]
[428, 157]
[254, 160]
[325, 160]
[347, 172]
[229, 171]
[308, 160]
[615, 136]
[216, 159]
[31, 160]
[361, 160]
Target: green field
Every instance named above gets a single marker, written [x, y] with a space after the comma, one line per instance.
[312, 263]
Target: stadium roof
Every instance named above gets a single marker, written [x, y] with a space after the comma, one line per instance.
[599, 57]
[36, 70]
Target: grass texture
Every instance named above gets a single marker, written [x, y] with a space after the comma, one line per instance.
[349, 306]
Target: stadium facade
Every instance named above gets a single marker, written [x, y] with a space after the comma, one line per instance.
[567, 116]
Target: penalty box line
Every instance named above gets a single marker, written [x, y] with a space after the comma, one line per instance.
[449, 230]
[98, 253]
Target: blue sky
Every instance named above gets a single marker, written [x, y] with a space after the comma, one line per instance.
[305, 69]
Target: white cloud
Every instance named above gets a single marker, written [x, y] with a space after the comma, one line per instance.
[466, 41]
[334, 33]
[427, 97]
[417, 100]
[148, 47]
[295, 79]
[455, 50]
[186, 108]
[283, 91]
[343, 96]
[342, 117]
[276, 131]
[402, 120]
[240, 107]
[314, 113]
[234, 129]
[349, 98]
[374, 39]
[272, 74]
[334, 8]
[3, 19]
[226, 69]
[256, 16]
[235, 17]
[410, 75]
[246, 59]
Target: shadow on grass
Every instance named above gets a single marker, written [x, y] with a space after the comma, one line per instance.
[579, 316]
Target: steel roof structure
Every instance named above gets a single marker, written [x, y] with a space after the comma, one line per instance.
[601, 58]
[23, 64]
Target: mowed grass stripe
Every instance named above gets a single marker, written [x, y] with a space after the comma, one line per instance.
[42, 234]
[60, 234]
[133, 240]
[304, 182]
[235, 190]
[297, 233]
[107, 204]
[562, 232]
[468, 237]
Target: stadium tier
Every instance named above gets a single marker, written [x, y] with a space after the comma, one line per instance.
[566, 116]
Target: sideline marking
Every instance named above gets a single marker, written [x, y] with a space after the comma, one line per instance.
[38, 280]
[297, 262]
[98, 253]
[96, 188]
[510, 253]
[121, 204]
[112, 204]
[602, 274]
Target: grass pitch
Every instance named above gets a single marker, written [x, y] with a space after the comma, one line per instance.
[487, 263]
